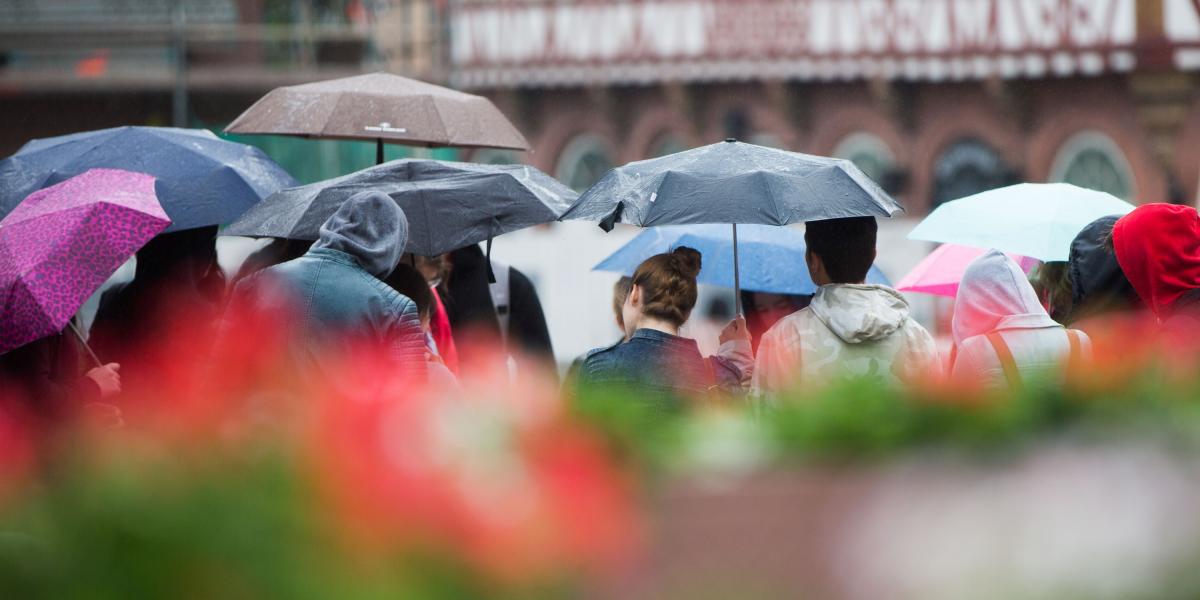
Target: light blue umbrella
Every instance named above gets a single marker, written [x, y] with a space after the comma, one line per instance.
[1030, 219]
[772, 258]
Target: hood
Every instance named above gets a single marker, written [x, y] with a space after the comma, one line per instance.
[1158, 247]
[1097, 282]
[995, 294]
[369, 226]
[860, 313]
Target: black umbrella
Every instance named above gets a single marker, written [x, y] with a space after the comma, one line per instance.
[449, 204]
[732, 182]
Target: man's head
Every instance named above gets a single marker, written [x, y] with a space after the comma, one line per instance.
[840, 250]
[369, 226]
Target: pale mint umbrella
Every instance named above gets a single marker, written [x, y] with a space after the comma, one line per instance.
[1039, 220]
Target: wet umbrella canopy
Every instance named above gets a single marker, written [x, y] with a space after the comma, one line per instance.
[200, 179]
[1039, 220]
[449, 205]
[63, 242]
[772, 257]
[384, 107]
[732, 182]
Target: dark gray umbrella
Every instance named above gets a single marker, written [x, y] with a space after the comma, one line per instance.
[381, 107]
[449, 205]
[732, 182]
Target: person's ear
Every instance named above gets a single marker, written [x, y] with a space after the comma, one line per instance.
[635, 296]
[816, 268]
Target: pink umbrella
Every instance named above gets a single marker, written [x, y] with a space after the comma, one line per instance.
[61, 243]
[940, 272]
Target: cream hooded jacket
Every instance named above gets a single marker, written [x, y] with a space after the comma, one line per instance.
[847, 331]
[995, 297]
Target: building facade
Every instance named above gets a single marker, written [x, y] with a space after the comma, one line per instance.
[936, 99]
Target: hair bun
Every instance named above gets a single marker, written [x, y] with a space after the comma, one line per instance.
[686, 261]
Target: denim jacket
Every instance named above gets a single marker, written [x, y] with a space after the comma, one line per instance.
[335, 300]
[663, 366]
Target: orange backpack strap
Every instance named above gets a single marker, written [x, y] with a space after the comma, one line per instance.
[1007, 362]
[1075, 355]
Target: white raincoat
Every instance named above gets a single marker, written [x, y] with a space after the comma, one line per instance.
[847, 331]
[996, 298]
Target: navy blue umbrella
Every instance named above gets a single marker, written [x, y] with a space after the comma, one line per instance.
[200, 179]
[772, 257]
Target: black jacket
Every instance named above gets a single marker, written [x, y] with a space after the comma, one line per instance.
[1098, 285]
[46, 377]
[469, 307]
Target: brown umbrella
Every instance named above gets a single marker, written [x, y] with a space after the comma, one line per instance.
[381, 107]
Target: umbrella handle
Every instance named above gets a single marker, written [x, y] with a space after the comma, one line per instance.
[737, 280]
[79, 335]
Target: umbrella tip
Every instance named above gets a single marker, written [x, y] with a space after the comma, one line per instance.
[730, 140]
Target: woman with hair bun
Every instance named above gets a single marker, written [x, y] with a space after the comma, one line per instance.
[654, 360]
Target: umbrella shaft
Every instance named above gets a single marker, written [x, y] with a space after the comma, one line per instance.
[379, 151]
[737, 281]
[79, 335]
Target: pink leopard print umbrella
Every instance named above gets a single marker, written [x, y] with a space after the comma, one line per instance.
[61, 243]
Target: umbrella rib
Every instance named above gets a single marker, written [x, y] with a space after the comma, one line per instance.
[441, 119]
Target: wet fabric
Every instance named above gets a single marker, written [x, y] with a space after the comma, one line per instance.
[847, 331]
[770, 186]
[381, 106]
[448, 204]
[663, 369]
[995, 294]
[996, 298]
[369, 227]
[335, 291]
[61, 244]
[200, 179]
[1158, 247]
[1098, 284]
[1038, 220]
[276, 252]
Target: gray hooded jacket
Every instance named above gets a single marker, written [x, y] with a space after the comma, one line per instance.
[335, 289]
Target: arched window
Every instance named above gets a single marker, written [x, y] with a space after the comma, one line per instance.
[968, 167]
[583, 162]
[666, 144]
[496, 156]
[868, 153]
[1092, 160]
